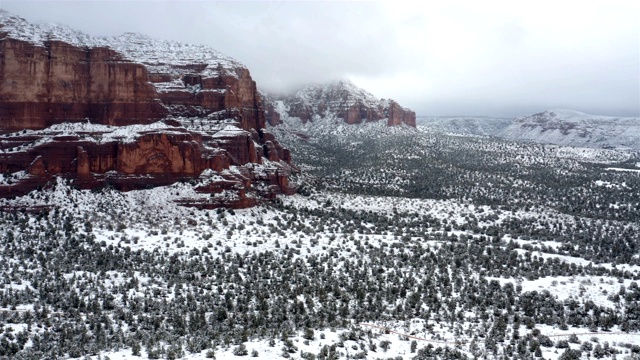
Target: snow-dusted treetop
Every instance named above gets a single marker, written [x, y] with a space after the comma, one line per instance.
[158, 55]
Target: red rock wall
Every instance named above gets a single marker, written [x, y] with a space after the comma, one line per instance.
[155, 158]
[45, 85]
[236, 94]
[397, 115]
[357, 113]
[41, 86]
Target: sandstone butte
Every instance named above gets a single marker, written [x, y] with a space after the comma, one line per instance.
[132, 112]
[346, 101]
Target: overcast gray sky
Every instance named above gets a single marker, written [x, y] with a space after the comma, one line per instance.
[500, 58]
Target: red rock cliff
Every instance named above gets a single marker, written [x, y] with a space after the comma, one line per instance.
[87, 109]
[45, 85]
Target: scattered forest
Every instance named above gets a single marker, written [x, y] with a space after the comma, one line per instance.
[401, 244]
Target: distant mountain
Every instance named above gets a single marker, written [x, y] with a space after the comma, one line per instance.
[344, 100]
[574, 128]
[464, 125]
[558, 126]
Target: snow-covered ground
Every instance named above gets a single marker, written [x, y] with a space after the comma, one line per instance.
[149, 220]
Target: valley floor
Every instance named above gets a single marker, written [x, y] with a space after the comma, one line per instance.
[390, 249]
[492, 261]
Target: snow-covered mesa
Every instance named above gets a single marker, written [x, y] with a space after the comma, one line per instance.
[162, 56]
[574, 128]
[557, 126]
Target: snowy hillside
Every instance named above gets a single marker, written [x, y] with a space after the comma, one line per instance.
[559, 127]
[464, 125]
[573, 128]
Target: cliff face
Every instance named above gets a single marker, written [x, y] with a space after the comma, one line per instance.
[88, 109]
[346, 101]
[272, 116]
[228, 95]
[397, 115]
[44, 85]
